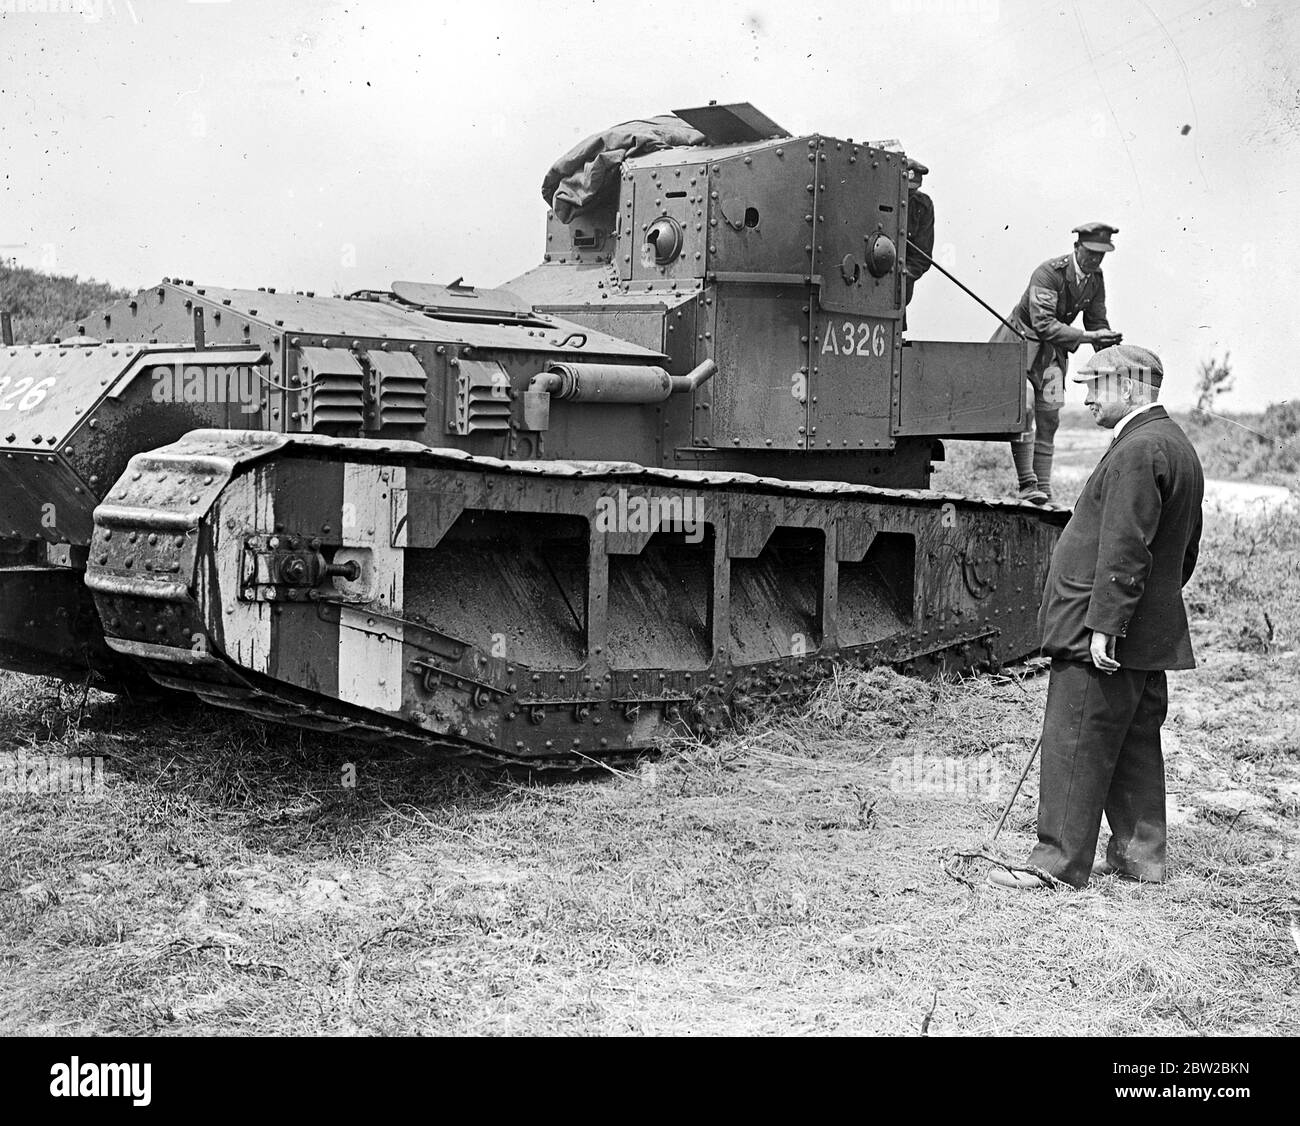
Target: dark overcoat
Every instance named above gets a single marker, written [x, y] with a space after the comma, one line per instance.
[1130, 546]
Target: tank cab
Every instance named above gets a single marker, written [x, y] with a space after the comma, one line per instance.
[781, 260]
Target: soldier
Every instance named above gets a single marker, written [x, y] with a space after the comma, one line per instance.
[1058, 291]
[920, 228]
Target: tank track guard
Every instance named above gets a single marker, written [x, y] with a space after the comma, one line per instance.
[550, 613]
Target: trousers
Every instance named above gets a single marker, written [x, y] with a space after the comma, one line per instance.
[1101, 753]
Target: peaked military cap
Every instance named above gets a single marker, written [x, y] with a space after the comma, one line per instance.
[917, 167]
[1096, 236]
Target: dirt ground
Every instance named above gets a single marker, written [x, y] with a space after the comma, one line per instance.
[817, 872]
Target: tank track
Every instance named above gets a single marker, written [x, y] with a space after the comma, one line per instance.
[521, 612]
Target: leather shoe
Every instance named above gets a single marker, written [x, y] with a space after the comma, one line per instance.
[1020, 881]
[1106, 868]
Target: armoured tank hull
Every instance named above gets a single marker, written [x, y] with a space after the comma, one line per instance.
[680, 467]
[467, 603]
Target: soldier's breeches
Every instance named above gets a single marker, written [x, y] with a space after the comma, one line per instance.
[1101, 753]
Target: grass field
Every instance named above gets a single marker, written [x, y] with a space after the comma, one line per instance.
[802, 876]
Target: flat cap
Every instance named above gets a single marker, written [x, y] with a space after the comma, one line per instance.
[917, 167]
[1123, 359]
[1096, 236]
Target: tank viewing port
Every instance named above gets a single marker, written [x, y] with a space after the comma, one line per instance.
[663, 241]
[882, 255]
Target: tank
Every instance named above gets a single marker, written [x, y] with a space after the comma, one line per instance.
[679, 468]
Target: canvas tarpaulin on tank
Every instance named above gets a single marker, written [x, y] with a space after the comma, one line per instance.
[588, 173]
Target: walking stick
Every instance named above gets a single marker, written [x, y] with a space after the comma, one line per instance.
[1016, 792]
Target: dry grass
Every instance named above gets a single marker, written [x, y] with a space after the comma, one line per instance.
[781, 880]
[773, 882]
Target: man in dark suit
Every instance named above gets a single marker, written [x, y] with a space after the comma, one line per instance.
[1113, 621]
[1058, 291]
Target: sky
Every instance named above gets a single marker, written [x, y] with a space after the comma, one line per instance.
[336, 145]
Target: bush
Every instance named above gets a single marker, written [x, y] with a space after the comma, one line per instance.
[1246, 588]
[1249, 447]
[45, 306]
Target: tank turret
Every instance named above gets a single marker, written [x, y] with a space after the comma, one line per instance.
[782, 259]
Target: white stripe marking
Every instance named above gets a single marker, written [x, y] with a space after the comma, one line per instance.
[370, 638]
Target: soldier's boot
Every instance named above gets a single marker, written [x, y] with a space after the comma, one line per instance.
[1022, 455]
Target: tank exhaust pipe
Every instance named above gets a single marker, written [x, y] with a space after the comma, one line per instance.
[695, 378]
[617, 383]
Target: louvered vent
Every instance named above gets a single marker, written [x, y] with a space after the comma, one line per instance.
[335, 387]
[401, 387]
[482, 397]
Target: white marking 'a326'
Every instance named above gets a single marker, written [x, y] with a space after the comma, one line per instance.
[854, 338]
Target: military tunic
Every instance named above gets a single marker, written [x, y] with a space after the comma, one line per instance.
[1047, 309]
